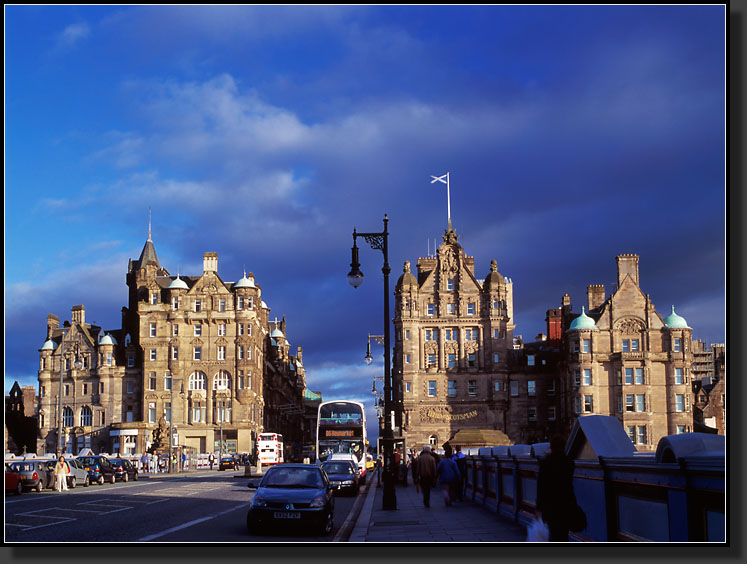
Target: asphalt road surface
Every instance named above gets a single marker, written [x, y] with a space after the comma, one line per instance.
[204, 507]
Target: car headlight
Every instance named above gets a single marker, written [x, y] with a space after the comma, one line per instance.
[318, 501]
[348, 483]
[259, 501]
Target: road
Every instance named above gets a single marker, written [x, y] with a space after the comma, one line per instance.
[199, 507]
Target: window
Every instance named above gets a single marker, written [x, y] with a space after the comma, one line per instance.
[634, 345]
[249, 352]
[152, 381]
[470, 334]
[497, 386]
[551, 413]
[197, 353]
[629, 403]
[450, 284]
[432, 388]
[198, 304]
[452, 388]
[472, 388]
[241, 329]
[588, 404]
[407, 334]
[576, 404]
[681, 429]
[431, 335]
[626, 346]
[531, 388]
[496, 333]
[676, 346]
[152, 329]
[198, 330]
[431, 309]
[109, 359]
[249, 329]
[470, 309]
[678, 376]
[130, 387]
[240, 352]
[198, 414]
[240, 302]
[575, 346]
[175, 330]
[532, 414]
[101, 387]
[628, 375]
[586, 345]
[641, 434]
[249, 379]
[151, 412]
[451, 359]
[514, 388]
[222, 381]
[197, 381]
[431, 359]
[587, 377]
[530, 360]
[130, 360]
[577, 377]
[153, 354]
[495, 304]
[86, 416]
[450, 334]
[496, 358]
[551, 388]
[175, 352]
[407, 359]
[154, 297]
[619, 404]
[630, 429]
[174, 303]
[451, 309]
[221, 353]
[408, 387]
[471, 360]
[67, 389]
[639, 375]
[167, 411]
[222, 304]
[222, 330]
[679, 402]
[640, 402]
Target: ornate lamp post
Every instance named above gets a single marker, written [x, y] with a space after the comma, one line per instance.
[380, 241]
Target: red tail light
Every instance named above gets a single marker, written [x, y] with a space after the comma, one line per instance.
[35, 476]
[119, 469]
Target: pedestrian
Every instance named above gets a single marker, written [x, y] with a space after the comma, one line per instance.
[427, 473]
[414, 470]
[555, 497]
[211, 458]
[61, 470]
[184, 461]
[448, 475]
[461, 462]
[144, 462]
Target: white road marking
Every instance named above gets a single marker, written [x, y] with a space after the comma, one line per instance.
[191, 523]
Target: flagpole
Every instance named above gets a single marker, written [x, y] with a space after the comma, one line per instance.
[448, 200]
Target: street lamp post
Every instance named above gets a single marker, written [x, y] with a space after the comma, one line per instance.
[171, 422]
[380, 241]
[378, 397]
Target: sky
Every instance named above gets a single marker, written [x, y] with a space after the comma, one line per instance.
[266, 134]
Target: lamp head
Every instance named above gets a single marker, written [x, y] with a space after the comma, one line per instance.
[355, 276]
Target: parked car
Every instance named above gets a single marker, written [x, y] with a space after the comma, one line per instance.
[342, 475]
[123, 469]
[99, 469]
[227, 462]
[33, 474]
[370, 463]
[292, 494]
[13, 480]
[77, 475]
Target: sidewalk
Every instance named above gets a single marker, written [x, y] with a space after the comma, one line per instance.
[464, 521]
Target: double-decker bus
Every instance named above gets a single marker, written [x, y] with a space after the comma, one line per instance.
[270, 447]
[341, 429]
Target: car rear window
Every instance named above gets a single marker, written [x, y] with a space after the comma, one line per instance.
[290, 477]
[338, 468]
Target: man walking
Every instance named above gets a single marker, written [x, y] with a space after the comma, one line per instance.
[427, 473]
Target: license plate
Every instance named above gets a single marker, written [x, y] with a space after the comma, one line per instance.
[287, 515]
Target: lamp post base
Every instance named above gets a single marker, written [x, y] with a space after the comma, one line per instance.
[390, 495]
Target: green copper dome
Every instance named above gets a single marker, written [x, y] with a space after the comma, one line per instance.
[107, 340]
[179, 284]
[245, 282]
[674, 321]
[49, 345]
[582, 322]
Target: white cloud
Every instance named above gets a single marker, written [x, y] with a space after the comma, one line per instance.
[72, 34]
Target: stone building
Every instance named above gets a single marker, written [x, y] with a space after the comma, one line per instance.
[457, 365]
[20, 419]
[192, 348]
[620, 357]
[459, 368]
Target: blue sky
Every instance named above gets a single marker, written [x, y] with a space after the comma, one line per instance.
[265, 134]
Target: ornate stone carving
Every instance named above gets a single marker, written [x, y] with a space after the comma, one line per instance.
[630, 326]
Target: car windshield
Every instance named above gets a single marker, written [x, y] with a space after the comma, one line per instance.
[338, 468]
[293, 478]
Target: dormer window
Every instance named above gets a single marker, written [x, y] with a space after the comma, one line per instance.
[154, 297]
[470, 309]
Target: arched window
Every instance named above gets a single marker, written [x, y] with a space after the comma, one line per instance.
[197, 381]
[67, 417]
[222, 381]
[433, 440]
[86, 416]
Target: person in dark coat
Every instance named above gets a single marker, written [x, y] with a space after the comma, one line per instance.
[555, 496]
[427, 473]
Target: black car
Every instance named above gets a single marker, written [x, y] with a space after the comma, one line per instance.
[342, 475]
[227, 463]
[293, 494]
[123, 469]
[99, 469]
